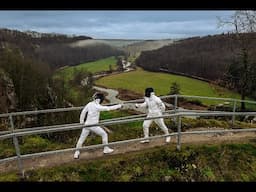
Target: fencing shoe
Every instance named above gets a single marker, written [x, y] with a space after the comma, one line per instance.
[107, 150]
[76, 155]
[144, 141]
[168, 139]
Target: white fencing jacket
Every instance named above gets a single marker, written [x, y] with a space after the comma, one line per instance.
[93, 112]
[154, 104]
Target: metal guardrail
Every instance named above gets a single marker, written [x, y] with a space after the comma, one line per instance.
[176, 113]
[125, 102]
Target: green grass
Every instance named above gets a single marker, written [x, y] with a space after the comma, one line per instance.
[225, 162]
[75, 93]
[138, 80]
[93, 67]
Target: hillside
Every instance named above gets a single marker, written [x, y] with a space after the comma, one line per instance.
[119, 43]
[206, 57]
[7, 94]
[54, 49]
[29, 59]
[135, 49]
[132, 48]
[216, 162]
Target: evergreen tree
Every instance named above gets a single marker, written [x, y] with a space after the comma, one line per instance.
[174, 89]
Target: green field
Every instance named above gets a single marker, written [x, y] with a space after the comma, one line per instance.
[138, 80]
[93, 67]
[74, 93]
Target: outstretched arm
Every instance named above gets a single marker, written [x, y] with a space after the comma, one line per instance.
[108, 108]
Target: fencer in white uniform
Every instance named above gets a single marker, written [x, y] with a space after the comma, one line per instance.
[155, 108]
[91, 113]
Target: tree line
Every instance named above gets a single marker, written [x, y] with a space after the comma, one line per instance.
[30, 58]
[209, 57]
[228, 59]
[54, 49]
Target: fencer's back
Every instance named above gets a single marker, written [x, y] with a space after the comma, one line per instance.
[93, 113]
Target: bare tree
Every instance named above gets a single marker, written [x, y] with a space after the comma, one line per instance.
[242, 22]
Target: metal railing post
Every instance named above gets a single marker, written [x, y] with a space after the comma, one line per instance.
[179, 133]
[233, 116]
[175, 103]
[175, 109]
[17, 148]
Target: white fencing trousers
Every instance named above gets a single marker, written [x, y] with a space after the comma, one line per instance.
[85, 132]
[159, 122]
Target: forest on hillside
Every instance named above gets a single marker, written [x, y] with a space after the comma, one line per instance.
[54, 49]
[213, 58]
[27, 62]
[207, 57]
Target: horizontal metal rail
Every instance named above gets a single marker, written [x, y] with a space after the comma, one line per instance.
[124, 102]
[60, 109]
[105, 120]
[121, 121]
[177, 112]
[217, 98]
[61, 125]
[78, 126]
[41, 111]
[26, 156]
[220, 131]
[102, 121]
[73, 124]
[8, 159]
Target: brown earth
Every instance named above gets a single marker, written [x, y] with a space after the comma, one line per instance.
[127, 95]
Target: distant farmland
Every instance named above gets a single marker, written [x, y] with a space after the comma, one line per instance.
[138, 80]
[93, 67]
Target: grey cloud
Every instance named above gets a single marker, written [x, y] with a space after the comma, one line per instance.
[116, 24]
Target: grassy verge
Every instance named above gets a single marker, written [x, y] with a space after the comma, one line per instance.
[132, 130]
[225, 162]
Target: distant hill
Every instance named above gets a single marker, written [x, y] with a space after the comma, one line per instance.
[136, 48]
[132, 47]
[204, 57]
[55, 49]
[119, 43]
[27, 61]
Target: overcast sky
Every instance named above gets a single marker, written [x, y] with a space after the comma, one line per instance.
[117, 24]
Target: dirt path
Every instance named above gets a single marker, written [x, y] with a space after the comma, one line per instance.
[112, 97]
[67, 157]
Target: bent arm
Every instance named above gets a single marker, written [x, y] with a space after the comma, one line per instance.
[141, 105]
[83, 114]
